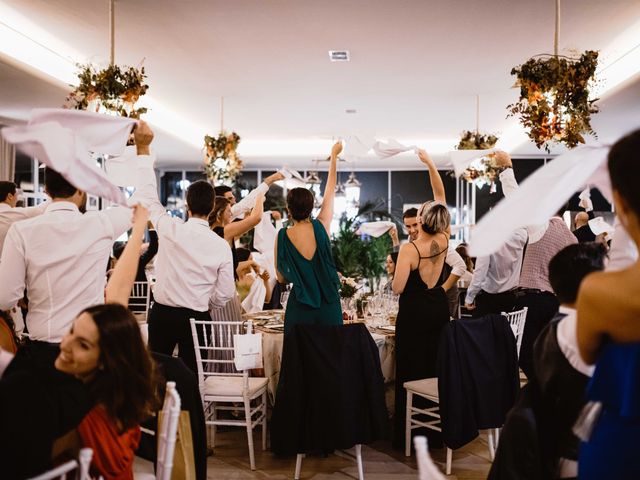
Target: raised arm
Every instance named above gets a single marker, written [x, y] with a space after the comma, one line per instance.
[239, 228]
[248, 202]
[121, 280]
[326, 211]
[434, 177]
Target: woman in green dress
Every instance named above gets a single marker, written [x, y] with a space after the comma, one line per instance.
[303, 257]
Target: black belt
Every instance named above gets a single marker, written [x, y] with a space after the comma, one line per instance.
[532, 290]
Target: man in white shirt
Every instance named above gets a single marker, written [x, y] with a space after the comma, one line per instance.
[496, 278]
[60, 257]
[9, 213]
[193, 266]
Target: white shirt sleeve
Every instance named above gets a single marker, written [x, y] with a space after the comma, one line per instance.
[225, 287]
[248, 202]
[623, 251]
[455, 261]
[13, 270]
[479, 274]
[509, 186]
[119, 218]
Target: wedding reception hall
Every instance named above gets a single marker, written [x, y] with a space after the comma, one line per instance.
[316, 240]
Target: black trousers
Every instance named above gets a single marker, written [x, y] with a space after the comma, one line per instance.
[494, 303]
[543, 306]
[170, 326]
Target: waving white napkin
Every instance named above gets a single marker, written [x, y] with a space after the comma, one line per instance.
[264, 241]
[598, 225]
[461, 159]
[391, 147]
[375, 229]
[585, 199]
[540, 196]
[254, 301]
[63, 139]
[292, 179]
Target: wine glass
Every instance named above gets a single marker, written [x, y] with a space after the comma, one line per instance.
[284, 298]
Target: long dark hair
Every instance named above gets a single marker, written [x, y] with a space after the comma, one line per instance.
[125, 381]
[219, 206]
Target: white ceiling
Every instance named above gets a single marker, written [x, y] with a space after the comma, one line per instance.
[416, 67]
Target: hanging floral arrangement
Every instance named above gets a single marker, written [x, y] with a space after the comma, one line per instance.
[222, 164]
[554, 104]
[112, 89]
[473, 140]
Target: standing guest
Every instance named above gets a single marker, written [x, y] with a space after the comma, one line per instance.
[101, 386]
[496, 278]
[194, 266]
[535, 291]
[303, 257]
[60, 258]
[609, 337]
[423, 309]
[463, 251]
[10, 213]
[583, 231]
[245, 205]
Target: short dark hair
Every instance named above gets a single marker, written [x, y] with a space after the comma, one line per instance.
[56, 185]
[570, 265]
[7, 188]
[300, 203]
[624, 168]
[242, 254]
[221, 190]
[200, 196]
[410, 213]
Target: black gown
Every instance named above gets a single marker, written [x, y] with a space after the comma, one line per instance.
[422, 314]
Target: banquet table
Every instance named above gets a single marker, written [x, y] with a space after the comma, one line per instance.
[273, 340]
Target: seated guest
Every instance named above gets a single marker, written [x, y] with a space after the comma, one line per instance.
[468, 261]
[304, 258]
[249, 271]
[390, 266]
[609, 337]
[104, 352]
[145, 257]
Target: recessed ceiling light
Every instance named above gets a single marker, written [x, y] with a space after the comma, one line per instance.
[350, 110]
[339, 55]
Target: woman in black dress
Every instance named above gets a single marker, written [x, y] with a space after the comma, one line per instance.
[423, 310]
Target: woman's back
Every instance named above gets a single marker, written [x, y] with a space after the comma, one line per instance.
[427, 261]
[303, 238]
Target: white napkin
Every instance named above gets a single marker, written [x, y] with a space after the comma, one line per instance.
[540, 196]
[461, 159]
[63, 140]
[292, 179]
[254, 301]
[356, 147]
[598, 225]
[264, 235]
[375, 229]
[585, 199]
[392, 147]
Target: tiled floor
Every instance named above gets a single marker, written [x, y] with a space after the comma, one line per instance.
[231, 461]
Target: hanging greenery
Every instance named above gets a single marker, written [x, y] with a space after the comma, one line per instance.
[115, 89]
[222, 164]
[554, 104]
[473, 140]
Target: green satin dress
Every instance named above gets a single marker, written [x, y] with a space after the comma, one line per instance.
[314, 297]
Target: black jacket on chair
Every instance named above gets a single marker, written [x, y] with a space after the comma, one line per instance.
[478, 379]
[331, 390]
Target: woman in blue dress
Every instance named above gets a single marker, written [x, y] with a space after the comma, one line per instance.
[304, 259]
[609, 335]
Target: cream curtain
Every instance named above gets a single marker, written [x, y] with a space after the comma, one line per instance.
[7, 160]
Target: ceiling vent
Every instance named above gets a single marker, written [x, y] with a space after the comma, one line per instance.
[339, 55]
[350, 110]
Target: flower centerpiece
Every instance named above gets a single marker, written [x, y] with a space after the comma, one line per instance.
[554, 104]
[348, 287]
[113, 89]
[222, 163]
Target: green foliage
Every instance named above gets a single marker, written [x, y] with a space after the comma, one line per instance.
[472, 140]
[554, 103]
[118, 89]
[222, 164]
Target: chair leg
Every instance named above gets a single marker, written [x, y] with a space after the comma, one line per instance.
[298, 466]
[496, 433]
[247, 414]
[359, 462]
[214, 416]
[407, 425]
[449, 460]
[491, 445]
[264, 420]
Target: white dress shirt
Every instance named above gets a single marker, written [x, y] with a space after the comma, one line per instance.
[623, 251]
[568, 341]
[9, 215]
[247, 203]
[60, 257]
[500, 271]
[455, 261]
[193, 266]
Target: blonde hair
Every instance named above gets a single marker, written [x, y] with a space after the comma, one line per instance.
[434, 217]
